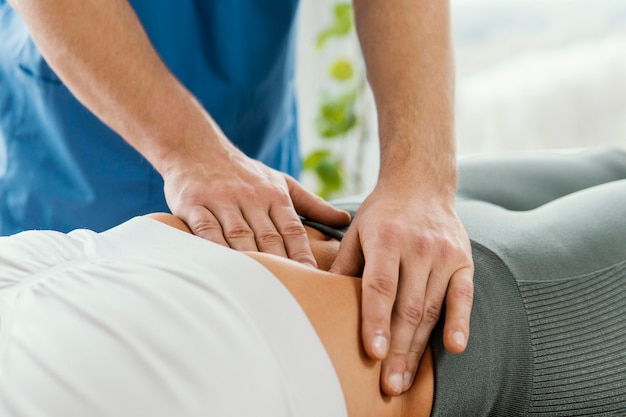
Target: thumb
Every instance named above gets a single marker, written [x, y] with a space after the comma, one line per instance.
[349, 260]
[315, 208]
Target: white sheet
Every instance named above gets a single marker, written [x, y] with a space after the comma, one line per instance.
[144, 320]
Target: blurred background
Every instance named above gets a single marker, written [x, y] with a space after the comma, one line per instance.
[531, 74]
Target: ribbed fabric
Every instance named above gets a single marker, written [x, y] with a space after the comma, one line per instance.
[578, 338]
[494, 376]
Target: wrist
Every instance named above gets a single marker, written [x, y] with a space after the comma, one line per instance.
[187, 134]
[192, 152]
[419, 171]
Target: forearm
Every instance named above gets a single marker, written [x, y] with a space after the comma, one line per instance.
[101, 52]
[408, 55]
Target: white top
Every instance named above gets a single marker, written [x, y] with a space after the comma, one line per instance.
[145, 320]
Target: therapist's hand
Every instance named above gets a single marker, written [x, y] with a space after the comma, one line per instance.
[243, 204]
[414, 253]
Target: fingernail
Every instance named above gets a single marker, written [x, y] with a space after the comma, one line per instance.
[395, 382]
[380, 346]
[459, 338]
[407, 379]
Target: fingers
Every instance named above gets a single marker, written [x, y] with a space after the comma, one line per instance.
[253, 231]
[459, 300]
[405, 282]
[415, 315]
[349, 260]
[204, 224]
[265, 235]
[243, 204]
[407, 315]
[315, 208]
[250, 228]
[294, 237]
[379, 288]
[236, 230]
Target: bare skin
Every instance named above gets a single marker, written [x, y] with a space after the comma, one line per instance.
[332, 304]
[101, 52]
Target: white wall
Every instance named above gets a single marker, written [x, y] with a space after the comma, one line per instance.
[531, 74]
[540, 74]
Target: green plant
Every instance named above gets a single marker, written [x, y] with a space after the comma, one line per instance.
[340, 121]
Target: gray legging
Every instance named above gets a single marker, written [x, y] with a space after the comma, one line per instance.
[548, 332]
[533, 209]
[524, 181]
[548, 328]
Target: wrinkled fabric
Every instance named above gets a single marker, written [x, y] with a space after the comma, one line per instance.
[145, 320]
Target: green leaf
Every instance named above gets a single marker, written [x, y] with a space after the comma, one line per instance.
[342, 70]
[343, 11]
[341, 25]
[337, 115]
[315, 159]
[328, 168]
[330, 173]
[330, 129]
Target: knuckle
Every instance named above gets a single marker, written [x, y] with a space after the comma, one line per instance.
[281, 196]
[219, 189]
[431, 316]
[269, 237]
[468, 263]
[381, 284]
[247, 193]
[206, 226]
[238, 231]
[464, 291]
[411, 313]
[293, 229]
[423, 244]
[391, 231]
[186, 197]
[448, 251]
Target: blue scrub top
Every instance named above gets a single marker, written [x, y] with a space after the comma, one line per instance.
[61, 168]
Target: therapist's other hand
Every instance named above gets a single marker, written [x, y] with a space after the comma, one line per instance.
[413, 253]
[243, 204]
